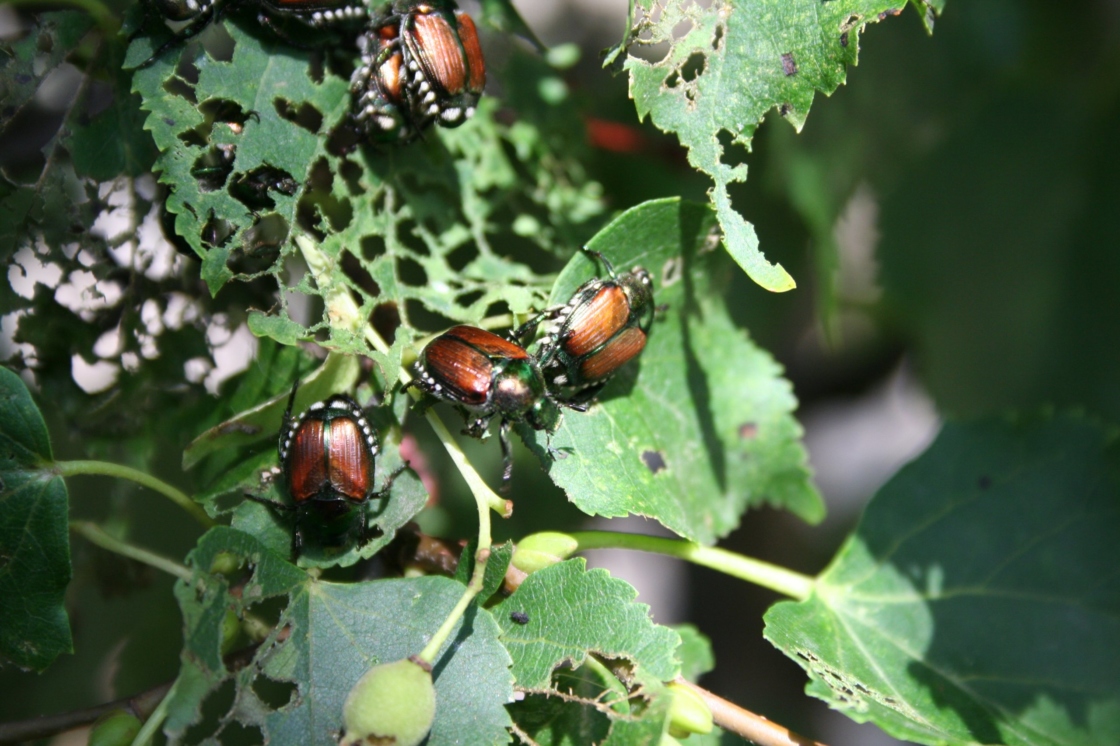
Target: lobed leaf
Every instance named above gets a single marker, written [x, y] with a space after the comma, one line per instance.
[325, 636]
[574, 612]
[34, 535]
[979, 599]
[726, 66]
[701, 427]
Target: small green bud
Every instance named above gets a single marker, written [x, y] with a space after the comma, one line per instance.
[114, 728]
[544, 549]
[225, 563]
[394, 703]
[688, 713]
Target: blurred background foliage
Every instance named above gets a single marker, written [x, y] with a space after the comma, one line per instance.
[949, 215]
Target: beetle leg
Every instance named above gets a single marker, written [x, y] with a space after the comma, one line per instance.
[286, 423]
[188, 32]
[297, 540]
[389, 481]
[507, 456]
[274, 504]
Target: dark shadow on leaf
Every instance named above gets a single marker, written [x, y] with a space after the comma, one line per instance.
[697, 378]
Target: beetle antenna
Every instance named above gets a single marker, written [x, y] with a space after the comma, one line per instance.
[507, 456]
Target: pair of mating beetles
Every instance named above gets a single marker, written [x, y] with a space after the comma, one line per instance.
[421, 59]
[328, 452]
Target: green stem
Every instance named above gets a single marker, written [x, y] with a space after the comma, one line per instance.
[477, 485]
[431, 650]
[155, 720]
[103, 468]
[793, 584]
[97, 535]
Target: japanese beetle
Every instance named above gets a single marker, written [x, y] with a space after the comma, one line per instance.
[327, 457]
[486, 376]
[316, 14]
[383, 106]
[444, 58]
[604, 326]
[421, 63]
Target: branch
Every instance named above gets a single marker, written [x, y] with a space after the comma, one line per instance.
[731, 717]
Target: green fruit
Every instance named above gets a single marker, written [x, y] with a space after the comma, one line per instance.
[115, 728]
[544, 549]
[394, 703]
[688, 713]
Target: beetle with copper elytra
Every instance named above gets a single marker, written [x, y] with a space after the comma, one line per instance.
[486, 376]
[587, 340]
[421, 63]
[328, 454]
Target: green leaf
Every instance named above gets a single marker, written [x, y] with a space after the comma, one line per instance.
[729, 66]
[34, 541]
[979, 600]
[701, 428]
[573, 612]
[695, 652]
[337, 373]
[326, 636]
[249, 154]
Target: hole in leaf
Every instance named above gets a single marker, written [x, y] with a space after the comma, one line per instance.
[850, 22]
[411, 273]
[252, 188]
[386, 319]
[263, 240]
[461, 256]
[267, 611]
[693, 67]
[351, 174]
[216, 231]
[844, 39]
[497, 308]
[212, 168]
[733, 151]
[305, 115]
[654, 461]
[316, 68]
[422, 319]
[682, 29]
[357, 274]
[275, 694]
[717, 37]
[372, 247]
[214, 708]
[177, 86]
[343, 139]
[407, 235]
[469, 297]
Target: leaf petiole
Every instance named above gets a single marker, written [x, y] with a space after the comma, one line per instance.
[99, 536]
[104, 468]
[776, 578]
